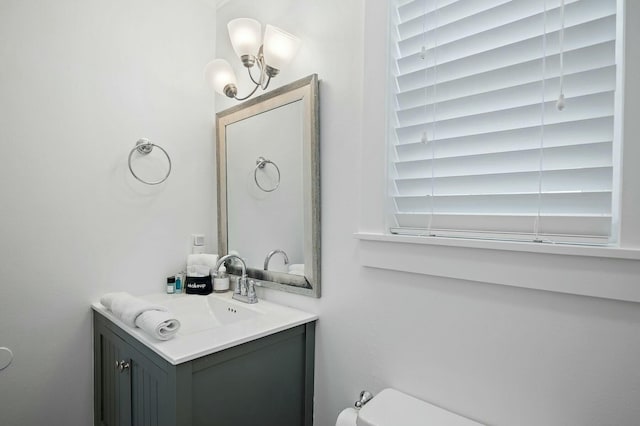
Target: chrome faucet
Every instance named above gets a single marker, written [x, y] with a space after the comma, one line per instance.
[270, 255]
[245, 290]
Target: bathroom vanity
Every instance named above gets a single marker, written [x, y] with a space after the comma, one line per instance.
[229, 365]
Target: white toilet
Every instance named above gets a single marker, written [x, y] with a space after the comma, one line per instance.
[393, 408]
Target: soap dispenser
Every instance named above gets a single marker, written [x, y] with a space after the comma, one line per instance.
[221, 280]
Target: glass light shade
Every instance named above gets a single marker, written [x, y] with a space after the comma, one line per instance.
[279, 47]
[245, 35]
[218, 73]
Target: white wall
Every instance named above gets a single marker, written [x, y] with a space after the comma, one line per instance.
[499, 354]
[80, 82]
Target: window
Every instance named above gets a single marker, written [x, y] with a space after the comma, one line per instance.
[503, 122]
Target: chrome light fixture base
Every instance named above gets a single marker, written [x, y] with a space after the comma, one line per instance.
[248, 60]
[271, 72]
[230, 90]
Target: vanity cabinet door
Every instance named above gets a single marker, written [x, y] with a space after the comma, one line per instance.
[131, 389]
[113, 407]
[149, 392]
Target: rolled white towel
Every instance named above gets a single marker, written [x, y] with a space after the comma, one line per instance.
[126, 307]
[153, 319]
[159, 324]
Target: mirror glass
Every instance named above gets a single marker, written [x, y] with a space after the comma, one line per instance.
[268, 187]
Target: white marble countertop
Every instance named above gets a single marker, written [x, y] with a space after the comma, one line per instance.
[212, 323]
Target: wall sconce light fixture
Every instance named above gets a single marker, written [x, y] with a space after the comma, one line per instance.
[270, 56]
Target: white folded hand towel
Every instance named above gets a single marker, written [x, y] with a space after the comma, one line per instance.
[153, 319]
[198, 270]
[159, 324]
[203, 259]
[194, 259]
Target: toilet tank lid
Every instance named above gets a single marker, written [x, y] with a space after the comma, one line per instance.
[394, 408]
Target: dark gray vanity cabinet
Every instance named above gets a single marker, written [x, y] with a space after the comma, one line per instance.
[268, 381]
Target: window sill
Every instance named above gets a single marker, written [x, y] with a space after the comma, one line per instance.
[564, 249]
[606, 272]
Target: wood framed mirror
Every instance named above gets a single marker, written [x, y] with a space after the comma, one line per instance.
[269, 187]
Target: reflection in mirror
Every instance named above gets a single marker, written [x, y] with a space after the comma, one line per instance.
[271, 196]
[268, 187]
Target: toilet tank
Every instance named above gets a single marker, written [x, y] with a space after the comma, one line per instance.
[394, 408]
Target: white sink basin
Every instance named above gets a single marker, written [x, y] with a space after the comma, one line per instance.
[212, 323]
[199, 313]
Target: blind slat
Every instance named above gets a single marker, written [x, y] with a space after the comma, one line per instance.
[472, 53]
[513, 78]
[518, 226]
[560, 203]
[575, 61]
[424, 20]
[412, 9]
[562, 134]
[557, 158]
[453, 103]
[583, 179]
[585, 107]
[514, 20]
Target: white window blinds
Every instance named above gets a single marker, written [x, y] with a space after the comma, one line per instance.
[480, 145]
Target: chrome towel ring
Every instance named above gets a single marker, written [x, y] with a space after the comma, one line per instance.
[261, 162]
[145, 146]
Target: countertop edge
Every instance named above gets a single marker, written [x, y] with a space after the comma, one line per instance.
[151, 343]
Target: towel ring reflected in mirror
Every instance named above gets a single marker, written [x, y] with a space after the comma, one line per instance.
[143, 147]
[261, 162]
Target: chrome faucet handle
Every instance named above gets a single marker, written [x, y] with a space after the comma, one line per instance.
[236, 290]
[247, 291]
[251, 292]
[243, 285]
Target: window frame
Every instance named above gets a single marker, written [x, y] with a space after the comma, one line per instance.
[612, 271]
[495, 225]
